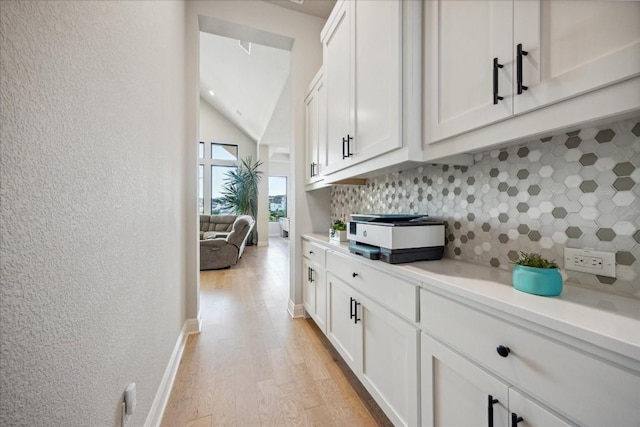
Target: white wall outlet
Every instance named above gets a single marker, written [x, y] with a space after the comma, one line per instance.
[594, 262]
[130, 399]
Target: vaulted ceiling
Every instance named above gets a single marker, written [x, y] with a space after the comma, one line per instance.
[243, 86]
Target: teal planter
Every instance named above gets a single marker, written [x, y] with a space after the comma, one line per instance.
[538, 281]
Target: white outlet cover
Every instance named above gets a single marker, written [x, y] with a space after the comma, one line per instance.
[573, 256]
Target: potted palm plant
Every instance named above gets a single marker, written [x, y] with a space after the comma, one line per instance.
[536, 275]
[240, 191]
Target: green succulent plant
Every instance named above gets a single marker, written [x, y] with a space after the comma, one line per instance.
[339, 225]
[534, 260]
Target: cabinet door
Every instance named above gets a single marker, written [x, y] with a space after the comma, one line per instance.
[320, 285]
[308, 288]
[338, 51]
[462, 39]
[312, 127]
[378, 79]
[456, 392]
[342, 330]
[389, 362]
[574, 47]
[532, 414]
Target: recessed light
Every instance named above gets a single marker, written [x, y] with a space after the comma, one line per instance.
[297, 1]
[211, 93]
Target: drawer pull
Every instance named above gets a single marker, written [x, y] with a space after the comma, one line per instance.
[515, 419]
[354, 274]
[355, 314]
[352, 300]
[310, 252]
[492, 402]
[503, 351]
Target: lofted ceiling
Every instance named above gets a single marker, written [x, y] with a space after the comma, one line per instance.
[247, 87]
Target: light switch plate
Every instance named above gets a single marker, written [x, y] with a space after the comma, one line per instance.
[587, 261]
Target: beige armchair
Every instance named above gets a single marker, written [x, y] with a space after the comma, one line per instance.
[224, 252]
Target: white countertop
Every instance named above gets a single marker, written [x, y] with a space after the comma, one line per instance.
[608, 321]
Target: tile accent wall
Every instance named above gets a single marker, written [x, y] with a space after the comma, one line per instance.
[579, 190]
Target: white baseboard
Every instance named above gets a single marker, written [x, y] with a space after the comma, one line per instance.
[263, 243]
[154, 417]
[295, 310]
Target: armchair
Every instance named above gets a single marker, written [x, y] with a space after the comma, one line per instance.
[224, 252]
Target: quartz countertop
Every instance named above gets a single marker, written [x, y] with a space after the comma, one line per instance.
[605, 320]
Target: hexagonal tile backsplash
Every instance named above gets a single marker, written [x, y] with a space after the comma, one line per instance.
[580, 190]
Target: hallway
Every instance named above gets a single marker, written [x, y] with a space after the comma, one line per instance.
[253, 365]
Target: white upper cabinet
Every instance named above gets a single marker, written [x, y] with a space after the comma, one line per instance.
[468, 65]
[567, 48]
[363, 61]
[316, 128]
[546, 51]
[337, 48]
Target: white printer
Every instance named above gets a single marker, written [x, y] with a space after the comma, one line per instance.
[396, 238]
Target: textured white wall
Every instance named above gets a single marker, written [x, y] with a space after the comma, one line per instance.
[214, 127]
[92, 194]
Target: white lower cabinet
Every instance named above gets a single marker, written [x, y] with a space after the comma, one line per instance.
[315, 293]
[457, 392]
[380, 347]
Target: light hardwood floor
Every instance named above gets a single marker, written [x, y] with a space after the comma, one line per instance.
[253, 365]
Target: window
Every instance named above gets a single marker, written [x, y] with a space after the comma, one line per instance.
[227, 152]
[218, 178]
[277, 197]
[201, 187]
[216, 159]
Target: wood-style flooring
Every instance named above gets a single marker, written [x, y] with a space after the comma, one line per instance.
[253, 365]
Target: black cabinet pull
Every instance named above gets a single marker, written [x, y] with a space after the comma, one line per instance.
[355, 309]
[310, 252]
[351, 315]
[311, 275]
[312, 174]
[491, 402]
[515, 419]
[503, 351]
[308, 274]
[354, 274]
[496, 98]
[520, 54]
[346, 147]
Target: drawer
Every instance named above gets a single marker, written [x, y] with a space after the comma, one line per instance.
[313, 252]
[585, 389]
[397, 294]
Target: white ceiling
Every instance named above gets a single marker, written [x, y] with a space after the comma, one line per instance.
[251, 84]
[319, 8]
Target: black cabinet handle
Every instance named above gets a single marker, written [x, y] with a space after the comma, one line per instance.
[355, 309]
[520, 54]
[496, 98]
[310, 252]
[312, 174]
[515, 419]
[352, 300]
[354, 274]
[503, 351]
[346, 147]
[491, 402]
[311, 279]
[308, 274]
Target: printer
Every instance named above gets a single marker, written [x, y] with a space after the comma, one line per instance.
[396, 238]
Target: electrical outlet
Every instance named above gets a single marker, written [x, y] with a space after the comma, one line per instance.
[594, 262]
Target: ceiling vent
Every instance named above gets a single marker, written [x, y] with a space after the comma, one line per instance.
[246, 46]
